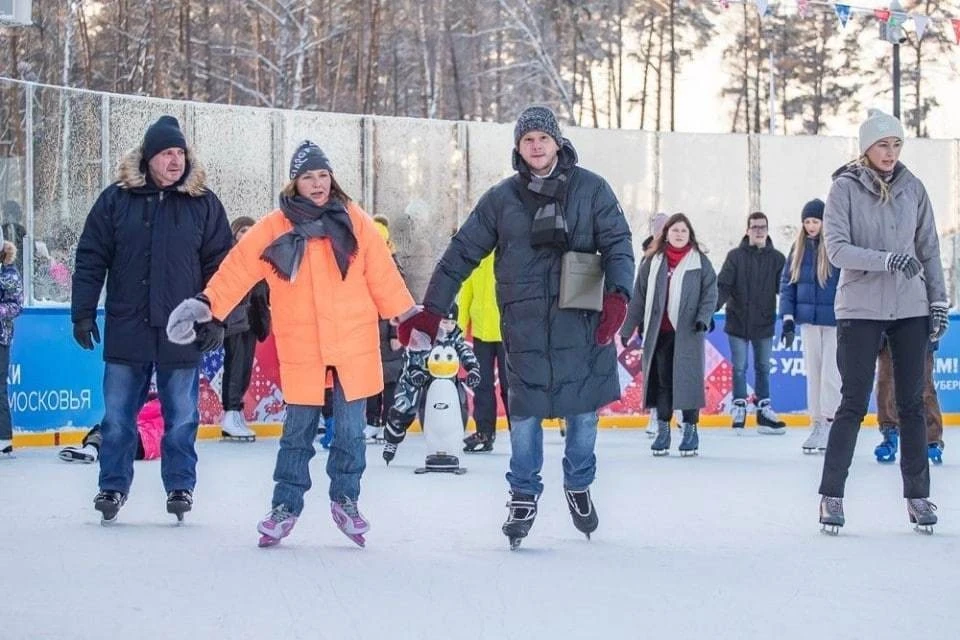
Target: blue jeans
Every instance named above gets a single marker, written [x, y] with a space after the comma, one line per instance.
[579, 460]
[345, 463]
[124, 392]
[762, 347]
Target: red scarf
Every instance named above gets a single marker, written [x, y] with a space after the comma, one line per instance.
[673, 256]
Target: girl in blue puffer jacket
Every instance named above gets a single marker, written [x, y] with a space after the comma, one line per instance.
[807, 291]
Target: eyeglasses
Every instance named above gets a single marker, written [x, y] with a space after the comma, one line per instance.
[758, 227]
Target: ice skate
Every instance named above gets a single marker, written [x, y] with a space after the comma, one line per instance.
[6, 449]
[275, 526]
[816, 442]
[108, 503]
[234, 428]
[349, 520]
[739, 415]
[179, 502]
[582, 511]
[831, 515]
[85, 455]
[661, 446]
[886, 451]
[478, 443]
[935, 452]
[522, 512]
[651, 429]
[690, 443]
[921, 513]
[768, 423]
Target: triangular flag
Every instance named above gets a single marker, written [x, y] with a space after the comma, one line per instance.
[920, 24]
[843, 13]
[802, 7]
[897, 18]
[956, 28]
[883, 15]
[762, 6]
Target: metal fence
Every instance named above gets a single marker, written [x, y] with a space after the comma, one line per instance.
[59, 147]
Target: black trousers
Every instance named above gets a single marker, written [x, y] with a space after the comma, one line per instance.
[379, 405]
[857, 344]
[661, 380]
[6, 424]
[238, 351]
[489, 354]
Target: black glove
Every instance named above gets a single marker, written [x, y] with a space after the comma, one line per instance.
[788, 333]
[209, 335]
[939, 320]
[700, 326]
[418, 377]
[85, 332]
[473, 378]
[905, 264]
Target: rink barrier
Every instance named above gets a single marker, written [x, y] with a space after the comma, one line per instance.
[67, 437]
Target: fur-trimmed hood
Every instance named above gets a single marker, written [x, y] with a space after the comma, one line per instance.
[131, 175]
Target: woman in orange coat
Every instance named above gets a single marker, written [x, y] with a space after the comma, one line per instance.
[331, 279]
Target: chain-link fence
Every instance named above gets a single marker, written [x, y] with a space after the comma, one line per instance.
[59, 148]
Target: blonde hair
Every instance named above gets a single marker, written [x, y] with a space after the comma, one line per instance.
[882, 184]
[9, 252]
[822, 266]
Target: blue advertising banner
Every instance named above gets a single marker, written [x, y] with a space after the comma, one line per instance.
[54, 384]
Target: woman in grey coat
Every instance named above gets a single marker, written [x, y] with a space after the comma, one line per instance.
[879, 230]
[673, 302]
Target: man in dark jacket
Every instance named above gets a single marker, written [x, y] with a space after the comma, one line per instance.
[560, 361]
[156, 235]
[748, 285]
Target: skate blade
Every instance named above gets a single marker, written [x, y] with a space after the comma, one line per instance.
[689, 454]
[830, 529]
[108, 522]
[925, 529]
[662, 452]
[228, 438]
[812, 450]
[70, 456]
[268, 541]
[515, 543]
[356, 538]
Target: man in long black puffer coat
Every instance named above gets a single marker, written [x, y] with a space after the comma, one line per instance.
[156, 236]
[561, 362]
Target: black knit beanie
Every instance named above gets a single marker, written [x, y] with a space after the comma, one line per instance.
[308, 157]
[163, 134]
[813, 209]
[537, 118]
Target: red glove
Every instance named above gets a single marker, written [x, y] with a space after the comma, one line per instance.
[611, 317]
[425, 321]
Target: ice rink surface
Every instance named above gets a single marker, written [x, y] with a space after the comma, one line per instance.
[724, 545]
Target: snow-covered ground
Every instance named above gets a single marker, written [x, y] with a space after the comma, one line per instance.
[725, 545]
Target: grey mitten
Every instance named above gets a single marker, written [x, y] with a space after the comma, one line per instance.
[939, 320]
[181, 324]
[904, 263]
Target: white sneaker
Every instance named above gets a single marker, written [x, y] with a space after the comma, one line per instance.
[234, 427]
[652, 423]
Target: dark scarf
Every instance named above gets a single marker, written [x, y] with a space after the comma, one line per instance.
[310, 221]
[549, 227]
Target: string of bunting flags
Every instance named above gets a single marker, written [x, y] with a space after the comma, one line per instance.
[844, 11]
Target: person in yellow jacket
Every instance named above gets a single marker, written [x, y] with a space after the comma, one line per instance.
[480, 316]
[331, 279]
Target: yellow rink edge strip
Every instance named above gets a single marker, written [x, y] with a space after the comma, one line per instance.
[274, 429]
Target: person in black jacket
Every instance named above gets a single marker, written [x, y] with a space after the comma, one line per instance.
[561, 362]
[247, 324]
[156, 236]
[748, 284]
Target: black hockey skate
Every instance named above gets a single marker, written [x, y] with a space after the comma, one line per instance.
[523, 510]
[831, 515]
[922, 516]
[478, 443]
[393, 436]
[179, 501]
[582, 511]
[108, 503]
